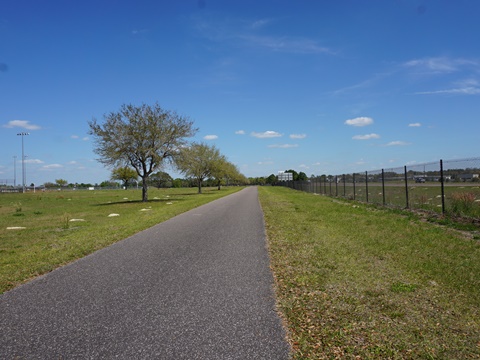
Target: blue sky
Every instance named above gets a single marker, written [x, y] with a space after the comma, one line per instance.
[323, 87]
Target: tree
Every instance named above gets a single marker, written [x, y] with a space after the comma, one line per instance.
[61, 182]
[109, 184]
[199, 162]
[230, 175]
[49, 185]
[271, 179]
[143, 137]
[161, 179]
[224, 172]
[124, 174]
[302, 176]
[177, 183]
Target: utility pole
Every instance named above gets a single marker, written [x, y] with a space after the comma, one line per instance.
[15, 171]
[22, 134]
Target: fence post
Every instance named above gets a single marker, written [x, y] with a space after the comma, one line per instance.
[336, 185]
[406, 185]
[344, 186]
[354, 186]
[366, 184]
[443, 189]
[383, 187]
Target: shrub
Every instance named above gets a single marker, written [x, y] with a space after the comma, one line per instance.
[462, 203]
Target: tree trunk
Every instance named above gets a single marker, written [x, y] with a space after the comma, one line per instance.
[199, 187]
[144, 189]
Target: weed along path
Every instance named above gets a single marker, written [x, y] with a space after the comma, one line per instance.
[197, 286]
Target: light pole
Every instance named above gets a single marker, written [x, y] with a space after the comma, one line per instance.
[22, 134]
[14, 171]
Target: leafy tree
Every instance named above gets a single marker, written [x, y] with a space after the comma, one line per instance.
[49, 185]
[108, 184]
[124, 174]
[143, 137]
[199, 161]
[272, 179]
[224, 172]
[302, 176]
[61, 182]
[161, 179]
[257, 180]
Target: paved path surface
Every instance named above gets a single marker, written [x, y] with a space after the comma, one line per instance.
[197, 286]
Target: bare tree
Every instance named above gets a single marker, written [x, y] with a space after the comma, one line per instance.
[143, 137]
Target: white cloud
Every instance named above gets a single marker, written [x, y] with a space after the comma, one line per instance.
[435, 65]
[359, 121]
[397, 143]
[86, 138]
[266, 134]
[441, 65]
[141, 31]
[298, 136]
[260, 23]
[283, 146]
[265, 163]
[22, 124]
[286, 44]
[52, 166]
[415, 125]
[240, 132]
[73, 162]
[33, 161]
[366, 137]
[457, 91]
[303, 166]
[74, 136]
[210, 137]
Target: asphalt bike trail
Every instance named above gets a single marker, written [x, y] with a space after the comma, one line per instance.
[197, 286]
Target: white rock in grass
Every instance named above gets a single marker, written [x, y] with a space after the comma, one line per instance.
[16, 228]
[73, 220]
[112, 215]
[145, 209]
[169, 203]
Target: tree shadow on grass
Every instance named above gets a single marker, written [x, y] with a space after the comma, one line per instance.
[177, 197]
[152, 201]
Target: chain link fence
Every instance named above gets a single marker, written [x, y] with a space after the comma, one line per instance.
[8, 185]
[449, 187]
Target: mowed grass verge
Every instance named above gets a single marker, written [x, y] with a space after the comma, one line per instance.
[355, 282]
[50, 229]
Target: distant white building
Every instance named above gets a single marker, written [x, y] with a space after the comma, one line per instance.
[284, 176]
[468, 177]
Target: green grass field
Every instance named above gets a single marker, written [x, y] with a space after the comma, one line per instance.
[357, 282]
[43, 230]
[352, 281]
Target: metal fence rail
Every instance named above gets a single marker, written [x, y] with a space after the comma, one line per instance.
[451, 186]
